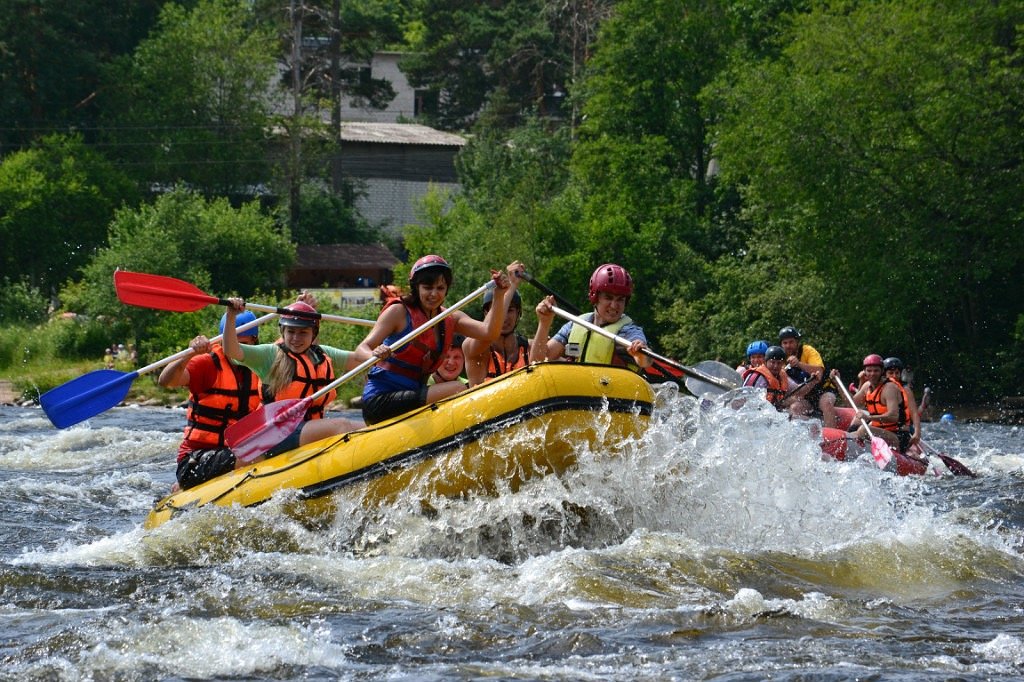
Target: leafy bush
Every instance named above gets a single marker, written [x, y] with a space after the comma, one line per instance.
[85, 339]
[21, 303]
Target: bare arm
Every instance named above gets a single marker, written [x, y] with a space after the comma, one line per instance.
[176, 373]
[543, 348]
[389, 322]
[232, 348]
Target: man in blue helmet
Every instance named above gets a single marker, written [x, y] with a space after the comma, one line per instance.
[755, 356]
[511, 350]
[220, 393]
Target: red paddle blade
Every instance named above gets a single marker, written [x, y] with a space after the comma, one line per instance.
[880, 451]
[159, 292]
[260, 431]
[956, 467]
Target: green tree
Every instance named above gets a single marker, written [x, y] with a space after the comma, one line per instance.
[328, 217]
[209, 243]
[56, 200]
[515, 58]
[509, 207]
[51, 59]
[640, 167]
[884, 148]
[193, 102]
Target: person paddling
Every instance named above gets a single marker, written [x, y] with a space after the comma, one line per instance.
[609, 291]
[884, 407]
[398, 382]
[220, 393]
[893, 368]
[755, 356]
[294, 367]
[804, 364]
[510, 351]
[771, 376]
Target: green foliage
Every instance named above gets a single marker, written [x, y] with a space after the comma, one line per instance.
[51, 59]
[209, 244]
[191, 104]
[329, 218]
[21, 303]
[21, 345]
[84, 338]
[509, 208]
[640, 166]
[510, 57]
[885, 147]
[55, 202]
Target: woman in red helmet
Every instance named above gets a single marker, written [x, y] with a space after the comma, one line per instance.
[399, 382]
[295, 367]
[609, 291]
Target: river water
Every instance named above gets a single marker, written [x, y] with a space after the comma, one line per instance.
[717, 547]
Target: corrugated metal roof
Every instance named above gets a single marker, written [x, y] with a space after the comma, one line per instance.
[343, 256]
[398, 133]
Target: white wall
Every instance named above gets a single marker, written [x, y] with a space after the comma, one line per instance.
[385, 65]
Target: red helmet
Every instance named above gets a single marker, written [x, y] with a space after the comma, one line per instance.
[611, 278]
[430, 261]
[873, 359]
[295, 320]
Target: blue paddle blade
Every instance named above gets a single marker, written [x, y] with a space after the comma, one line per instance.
[86, 396]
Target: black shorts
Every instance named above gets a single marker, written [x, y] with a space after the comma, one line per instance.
[200, 466]
[904, 439]
[387, 405]
[290, 442]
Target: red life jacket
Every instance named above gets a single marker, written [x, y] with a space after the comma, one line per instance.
[498, 365]
[313, 371]
[234, 394]
[420, 357]
[873, 404]
[775, 392]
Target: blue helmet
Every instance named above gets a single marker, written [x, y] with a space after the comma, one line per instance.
[244, 317]
[757, 348]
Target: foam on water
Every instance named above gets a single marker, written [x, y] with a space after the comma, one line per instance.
[733, 482]
[190, 648]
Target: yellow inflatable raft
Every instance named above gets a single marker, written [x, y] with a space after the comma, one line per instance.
[531, 422]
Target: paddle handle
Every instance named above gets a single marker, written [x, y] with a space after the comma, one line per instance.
[622, 341]
[371, 361]
[878, 450]
[302, 313]
[547, 290]
[188, 351]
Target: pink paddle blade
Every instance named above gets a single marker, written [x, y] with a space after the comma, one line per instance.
[265, 428]
[880, 451]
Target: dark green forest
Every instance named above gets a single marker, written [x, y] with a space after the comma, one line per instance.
[852, 168]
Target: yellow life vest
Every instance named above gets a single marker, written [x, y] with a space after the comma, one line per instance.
[584, 346]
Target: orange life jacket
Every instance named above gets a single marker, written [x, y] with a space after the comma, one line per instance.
[420, 357]
[313, 371]
[234, 394]
[498, 365]
[775, 392]
[873, 404]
